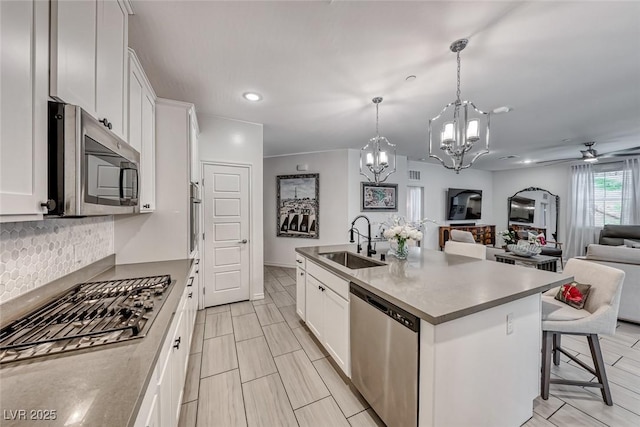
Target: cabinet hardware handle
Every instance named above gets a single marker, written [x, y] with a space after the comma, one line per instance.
[197, 261]
[147, 206]
[197, 271]
[50, 204]
[177, 343]
[243, 241]
[302, 274]
[191, 279]
[299, 261]
[190, 294]
[106, 123]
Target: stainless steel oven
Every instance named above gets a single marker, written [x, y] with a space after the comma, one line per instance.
[194, 218]
[91, 170]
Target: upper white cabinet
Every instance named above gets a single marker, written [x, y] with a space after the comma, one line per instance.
[194, 162]
[89, 58]
[142, 130]
[24, 68]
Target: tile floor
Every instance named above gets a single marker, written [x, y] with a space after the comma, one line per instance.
[256, 364]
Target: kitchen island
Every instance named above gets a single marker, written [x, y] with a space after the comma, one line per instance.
[480, 328]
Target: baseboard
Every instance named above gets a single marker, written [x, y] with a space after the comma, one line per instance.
[257, 297]
[274, 264]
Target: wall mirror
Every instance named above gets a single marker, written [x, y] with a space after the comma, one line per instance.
[534, 209]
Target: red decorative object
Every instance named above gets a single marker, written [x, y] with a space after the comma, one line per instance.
[572, 293]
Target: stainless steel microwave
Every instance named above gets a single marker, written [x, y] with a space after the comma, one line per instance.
[91, 170]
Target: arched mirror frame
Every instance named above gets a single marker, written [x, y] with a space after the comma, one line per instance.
[556, 237]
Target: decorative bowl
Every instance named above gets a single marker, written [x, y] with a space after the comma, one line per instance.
[525, 249]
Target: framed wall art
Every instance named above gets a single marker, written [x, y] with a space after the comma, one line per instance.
[379, 197]
[298, 205]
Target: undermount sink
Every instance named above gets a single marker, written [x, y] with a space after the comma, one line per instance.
[351, 260]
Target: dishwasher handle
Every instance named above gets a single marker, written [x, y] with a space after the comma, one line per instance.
[377, 304]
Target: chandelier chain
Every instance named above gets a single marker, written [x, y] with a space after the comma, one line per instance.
[458, 91]
[377, 132]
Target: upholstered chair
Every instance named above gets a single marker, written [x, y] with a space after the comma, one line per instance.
[598, 316]
[462, 236]
[472, 250]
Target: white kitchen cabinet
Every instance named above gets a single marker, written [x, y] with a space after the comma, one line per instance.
[24, 71]
[327, 315]
[142, 130]
[301, 284]
[194, 162]
[88, 58]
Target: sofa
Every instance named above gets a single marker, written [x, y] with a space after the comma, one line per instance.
[627, 260]
[615, 235]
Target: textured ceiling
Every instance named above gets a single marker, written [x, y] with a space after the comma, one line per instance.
[570, 70]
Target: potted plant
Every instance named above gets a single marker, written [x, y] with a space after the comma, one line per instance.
[509, 237]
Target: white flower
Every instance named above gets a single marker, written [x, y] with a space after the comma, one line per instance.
[404, 234]
[419, 235]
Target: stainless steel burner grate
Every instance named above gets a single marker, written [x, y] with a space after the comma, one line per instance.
[88, 315]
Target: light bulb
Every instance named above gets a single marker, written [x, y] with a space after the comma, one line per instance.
[369, 159]
[383, 159]
[447, 137]
[473, 130]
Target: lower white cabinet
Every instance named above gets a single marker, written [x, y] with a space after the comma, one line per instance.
[163, 398]
[327, 316]
[301, 284]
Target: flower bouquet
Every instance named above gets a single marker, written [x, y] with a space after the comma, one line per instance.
[509, 237]
[400, 233]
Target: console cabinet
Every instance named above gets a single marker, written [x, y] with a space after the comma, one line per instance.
[483, 234]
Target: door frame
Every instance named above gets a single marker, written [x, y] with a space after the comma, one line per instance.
[203, 275]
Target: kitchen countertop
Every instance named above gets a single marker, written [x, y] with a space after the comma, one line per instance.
[440, 287]
[99, 387]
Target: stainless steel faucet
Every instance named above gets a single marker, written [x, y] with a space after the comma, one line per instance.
[370, 250]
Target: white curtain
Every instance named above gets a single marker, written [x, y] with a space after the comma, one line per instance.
[630, 214]
[581, 211]
[414, 204]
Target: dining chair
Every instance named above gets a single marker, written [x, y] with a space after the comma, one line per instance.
[599, 316]
[473, 250]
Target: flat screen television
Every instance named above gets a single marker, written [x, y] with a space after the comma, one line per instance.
[522, 210]
[464, 204]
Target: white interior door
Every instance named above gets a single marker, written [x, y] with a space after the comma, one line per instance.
[226, 234]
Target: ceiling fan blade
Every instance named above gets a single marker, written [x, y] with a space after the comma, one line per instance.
[548, 162]
[633, 151]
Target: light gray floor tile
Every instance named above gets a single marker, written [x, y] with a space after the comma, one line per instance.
[197, 338]
[217, 325]
[313, 350]
[279, 272]
[192, 381]
[546, 408]
[324, 412]
[300, 379]
[570, 416]
[273, 287]
[221, 402]
[630, 329]
[286, 280]
[622, 397]
[188, 414]
[266, 403]
[346, 396]
[291, 317]
[240, 308]
[218, 355]
[280, 339]
[366, 418]
[617, 375]
[580, 345]
[291, 290]
[622, 339]
[282, 299]
[266, 300]
[619, 349]
[218, 309]
[629, 365]
[200, 316]
[268, 314]
[246, 326]
[537, 421]
[255, 359]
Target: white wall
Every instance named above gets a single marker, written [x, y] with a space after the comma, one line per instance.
[436, 180]
[223, 140]
[333, 219]
[555, 179]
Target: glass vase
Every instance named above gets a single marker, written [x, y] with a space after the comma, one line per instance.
[399, 249]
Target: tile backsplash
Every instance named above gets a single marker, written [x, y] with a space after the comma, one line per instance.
[38, 252]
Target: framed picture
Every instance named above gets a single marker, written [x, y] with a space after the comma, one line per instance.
[298, 205]
[379, 197]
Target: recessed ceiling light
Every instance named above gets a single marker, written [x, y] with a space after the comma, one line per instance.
[252, 96]
[566, 140]
[410, 78]
[510, 156]
[502, 110]
[527, 161]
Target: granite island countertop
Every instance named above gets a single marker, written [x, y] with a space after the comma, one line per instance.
[440, 287]
[101, 387]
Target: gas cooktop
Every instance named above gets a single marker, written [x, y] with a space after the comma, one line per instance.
[89, 315]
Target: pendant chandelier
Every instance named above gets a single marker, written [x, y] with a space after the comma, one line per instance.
[459, 126]
[378, 157]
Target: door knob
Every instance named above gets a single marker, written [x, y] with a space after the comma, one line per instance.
[243, 241]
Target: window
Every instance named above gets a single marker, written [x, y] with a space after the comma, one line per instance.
[414, 204]
[607, 196]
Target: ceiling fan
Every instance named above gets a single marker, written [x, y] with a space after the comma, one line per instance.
[591, 155]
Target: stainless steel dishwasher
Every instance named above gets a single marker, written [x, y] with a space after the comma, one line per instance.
[384, 357]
